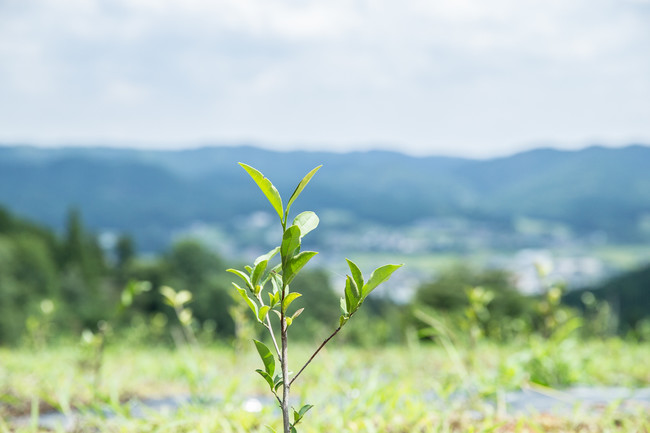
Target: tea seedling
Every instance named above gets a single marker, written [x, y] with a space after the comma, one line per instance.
[278, 299]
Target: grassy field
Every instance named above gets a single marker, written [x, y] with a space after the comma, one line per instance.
[417, 388]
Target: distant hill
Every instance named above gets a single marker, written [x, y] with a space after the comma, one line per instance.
[153, 193]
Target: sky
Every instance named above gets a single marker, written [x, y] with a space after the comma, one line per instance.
[472, 78]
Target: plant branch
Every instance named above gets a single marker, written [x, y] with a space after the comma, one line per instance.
[269, 326]
[315, 353]
[277, 397]
[275, 343]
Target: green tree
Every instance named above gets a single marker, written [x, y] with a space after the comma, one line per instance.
[452, 292]
[124, 251]
[82, 250]
[84, 286]
[628, 296]
[28, 275]
[192, 267]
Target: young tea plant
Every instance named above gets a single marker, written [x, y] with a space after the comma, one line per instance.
[277, 298]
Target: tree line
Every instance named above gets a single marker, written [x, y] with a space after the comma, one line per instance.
[63, 283]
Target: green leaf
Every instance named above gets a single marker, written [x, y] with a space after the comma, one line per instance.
[266, 377]
[297, 415]
[306, 221]
[344, 306]
[141, 287]
[276, 282]
[258, 272]
[289, 299]
[268, 256]
[244, 277]
[185, 316]
[290, 242]
[342, 321]
[274, 298]
[379, 275]
[296, 264]
[271, 193]
[303, 183]
[248, 300]
[351, 294]
[289, 320]
[356, 273]
[264, 310]
[267, 359]
[183, 297]
[169, 294]
[348, 298]
[303, 410]
[127, 297]
[297, 313]
[354, 288]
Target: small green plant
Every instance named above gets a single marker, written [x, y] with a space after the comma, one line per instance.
[185, 340]
[278, 299]
[549, 308]
[93, 343]
[600, 320]
[549, 359]
[178, 301]
[39, 325]
[477, 313]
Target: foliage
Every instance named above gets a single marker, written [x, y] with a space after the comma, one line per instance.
[194, 268]
[28, 273]
[627, 296]
[83, 283]
[292, 259]
[483, 303]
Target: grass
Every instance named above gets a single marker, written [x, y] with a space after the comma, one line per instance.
[391, 389]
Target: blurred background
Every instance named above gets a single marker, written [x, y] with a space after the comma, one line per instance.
[498, 145]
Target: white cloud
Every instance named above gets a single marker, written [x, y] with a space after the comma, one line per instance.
[430, 75]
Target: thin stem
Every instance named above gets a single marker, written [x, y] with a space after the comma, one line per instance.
[285, 368]
[315, 353]
[284, 360]
[269, 326]
[275, 343]
[190, 338]
[336, 331]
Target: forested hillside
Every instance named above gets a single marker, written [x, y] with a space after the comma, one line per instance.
[154, 193]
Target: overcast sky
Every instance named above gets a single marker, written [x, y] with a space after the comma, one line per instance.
[461, 77]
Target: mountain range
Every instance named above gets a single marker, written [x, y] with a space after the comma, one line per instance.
[151, 194]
